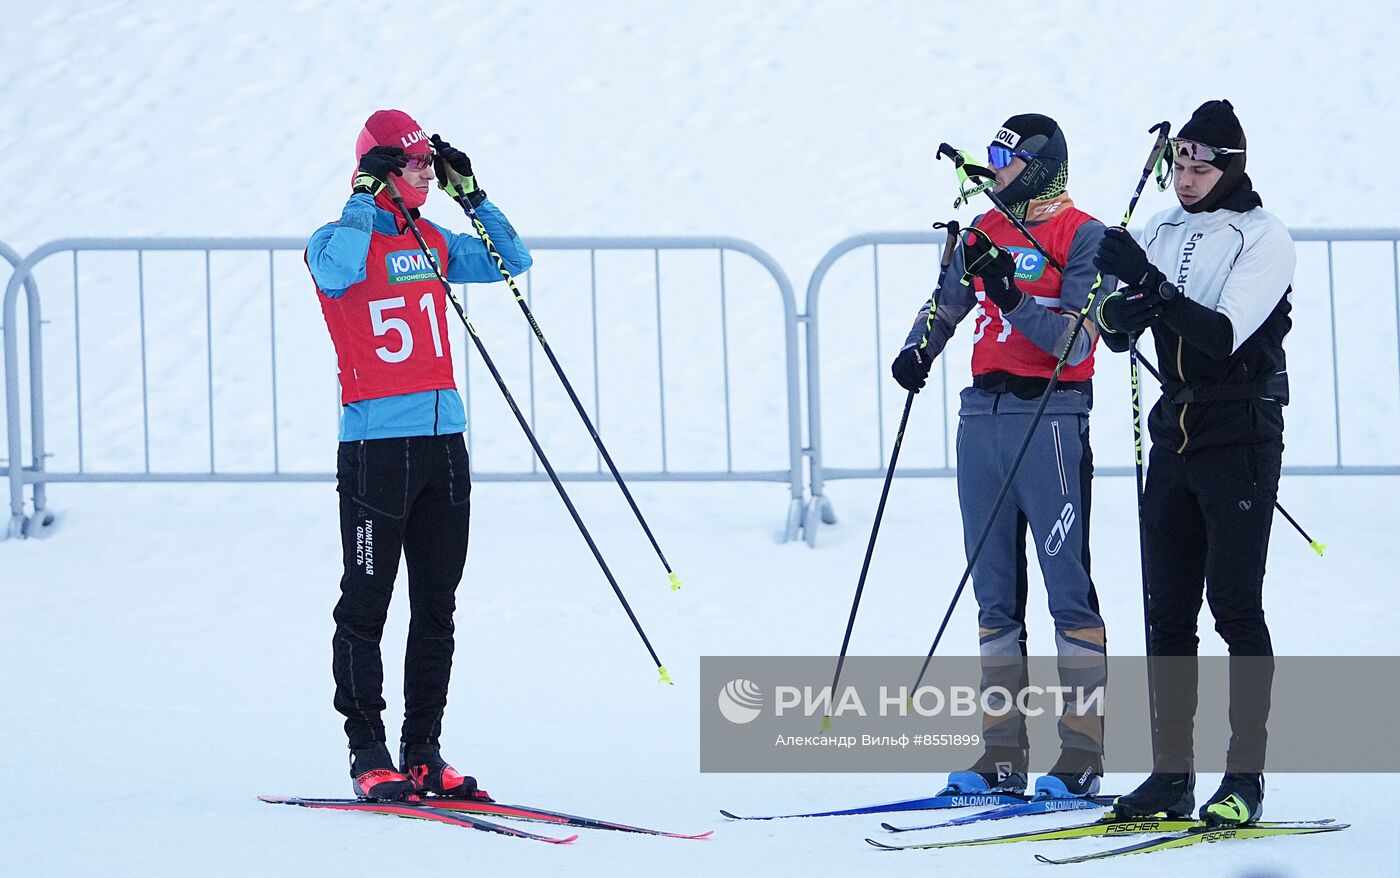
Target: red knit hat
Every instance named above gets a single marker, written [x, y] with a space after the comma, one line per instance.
[394, 128]
[391, 128]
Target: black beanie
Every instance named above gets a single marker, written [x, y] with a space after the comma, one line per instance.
[1041, 137]
[1215, 124]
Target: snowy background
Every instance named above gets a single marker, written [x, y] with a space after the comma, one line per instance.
[166, 654]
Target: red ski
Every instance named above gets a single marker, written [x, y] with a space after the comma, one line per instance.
[416, 811]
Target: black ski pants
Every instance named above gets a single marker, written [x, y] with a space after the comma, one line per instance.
[1207, 516]
[408, 497]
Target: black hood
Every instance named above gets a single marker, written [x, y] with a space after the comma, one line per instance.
[1235, 194]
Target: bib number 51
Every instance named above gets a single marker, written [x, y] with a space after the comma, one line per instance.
[384, 325]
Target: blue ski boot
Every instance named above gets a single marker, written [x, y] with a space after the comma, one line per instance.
[998, 770]
[1075, 775]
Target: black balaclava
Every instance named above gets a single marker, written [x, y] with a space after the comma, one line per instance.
[1215, 124]
[1046, 174]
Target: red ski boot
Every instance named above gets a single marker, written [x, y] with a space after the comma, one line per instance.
[431, 775]
[375, 777]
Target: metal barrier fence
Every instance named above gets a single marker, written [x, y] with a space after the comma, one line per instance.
[1366, 447]
[197, 414]
[40, 523]
[1372, 352]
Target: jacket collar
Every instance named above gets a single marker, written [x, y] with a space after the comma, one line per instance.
[388, 222]
[1040, 211]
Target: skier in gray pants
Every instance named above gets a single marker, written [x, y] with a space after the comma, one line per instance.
[1025, 311]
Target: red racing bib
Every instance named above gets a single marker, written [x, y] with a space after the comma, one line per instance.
[997, 345]
[390, 329]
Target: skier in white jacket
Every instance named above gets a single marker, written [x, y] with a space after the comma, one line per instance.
[1213, 285]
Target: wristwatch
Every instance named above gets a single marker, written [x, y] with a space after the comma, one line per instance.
[1167, 290]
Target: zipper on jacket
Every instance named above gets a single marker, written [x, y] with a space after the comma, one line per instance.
[1181, 421]
[437, 401]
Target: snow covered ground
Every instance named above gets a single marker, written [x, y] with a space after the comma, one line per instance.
[166, 654]
[167, 660]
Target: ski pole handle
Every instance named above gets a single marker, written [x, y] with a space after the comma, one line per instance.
[950, 244]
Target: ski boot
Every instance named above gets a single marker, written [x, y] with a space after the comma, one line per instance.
[1075, 775]
[1239, 800]
[998, 770]
[1169, 790]
[431, 775]
[374, 776]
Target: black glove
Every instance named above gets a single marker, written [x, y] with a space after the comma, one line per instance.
[454, 157]
[1120, 256]
[1129, 311]
[911, 367]
[376, 166]
[997, 271]
[448, 156]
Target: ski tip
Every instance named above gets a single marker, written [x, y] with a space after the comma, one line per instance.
[1041, 858]
[731, 815]
[675, 582]
[890, 827]
[275, 800]
[699, 835]
[881, 845]
[570, 840]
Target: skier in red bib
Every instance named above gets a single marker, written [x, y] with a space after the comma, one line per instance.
[1024, 313]
[401, 470]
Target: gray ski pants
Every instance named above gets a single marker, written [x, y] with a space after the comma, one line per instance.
[1049, 497]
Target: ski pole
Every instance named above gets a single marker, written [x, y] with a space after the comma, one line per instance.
[949, 246]
[524, 425]
[958, 162]
[454, 187]
[1317, 547]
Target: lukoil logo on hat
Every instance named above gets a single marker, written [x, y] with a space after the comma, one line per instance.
[391, 128]
[740, 701]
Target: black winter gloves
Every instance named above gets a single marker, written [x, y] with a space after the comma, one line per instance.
[996, 267]
[911, 367]
[1120, 256]
[448, 156]
[454, 157]
[376, 166]
[1141, 304]
[1129, 311]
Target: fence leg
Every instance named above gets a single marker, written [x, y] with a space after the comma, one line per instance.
[794, 520]
[817, 512]
[40, 525]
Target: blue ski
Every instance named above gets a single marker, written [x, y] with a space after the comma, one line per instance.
[929, 803]
[1018, 809]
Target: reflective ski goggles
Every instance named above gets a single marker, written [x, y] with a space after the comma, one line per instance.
[999, 156]
[419, 160]
[1200, 152]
